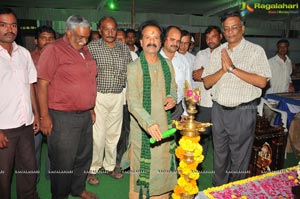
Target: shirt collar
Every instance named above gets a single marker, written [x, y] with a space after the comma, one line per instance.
[239, 46]
[14, 45]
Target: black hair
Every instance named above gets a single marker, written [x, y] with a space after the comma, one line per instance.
[283, 41]
[167, 30]
[232, 13]
[185, 33]
[147, 24]
[104, 18]
[42, 29]
[122, 30]
[130, 31]
[211, 28]
[6, 10]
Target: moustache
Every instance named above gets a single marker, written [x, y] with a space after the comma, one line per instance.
[82, 43]
[10, 34]
[154, 45]
[175, 46]
[112, 37]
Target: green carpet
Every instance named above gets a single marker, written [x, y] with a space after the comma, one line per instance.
[110, 188]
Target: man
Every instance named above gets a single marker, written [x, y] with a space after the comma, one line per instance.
[17, 121]
[237, 72]
[192, 47]
[281, 68]
[121, 36]
[151, 93]
[184, 47]
[67, 94]
[124, 137]
[112, 58]
[43, 35]
[181, 67]
[94, 35]
[213, 37]
[130, 41]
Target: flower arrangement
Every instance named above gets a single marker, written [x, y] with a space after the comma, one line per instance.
[189, 152]
[276, 184]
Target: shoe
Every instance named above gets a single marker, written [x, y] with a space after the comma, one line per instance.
[88, 195]
[92, 179]
[116, 173]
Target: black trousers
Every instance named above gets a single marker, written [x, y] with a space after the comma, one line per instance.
[204, 115]
[20, 151]
[70, 148]
[124, 137]
[233, 134]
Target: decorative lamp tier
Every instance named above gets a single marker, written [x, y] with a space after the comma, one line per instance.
[189, 151]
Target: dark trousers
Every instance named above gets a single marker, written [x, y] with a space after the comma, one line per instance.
[20, 151]
[204, 115]
[177, 111]
[124, 137]
[38, 141]
[70, 148]
[233, 134]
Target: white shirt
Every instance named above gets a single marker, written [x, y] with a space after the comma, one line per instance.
[281, 74]
[191, 60]
[182, 74]
[17, 73]
[201, 61]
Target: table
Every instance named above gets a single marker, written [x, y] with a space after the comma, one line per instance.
[289, 102]
[276, 184]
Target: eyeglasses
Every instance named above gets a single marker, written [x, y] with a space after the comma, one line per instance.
[5, 25]
[232, 28]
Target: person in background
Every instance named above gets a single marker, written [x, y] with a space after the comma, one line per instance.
[192, 47]
[67, 94]
[94, 36]
[237, 72]
[130, 41]
[213, 37]
[124, 137]
[151, 93]
[184, 47]
[281, 68]
[112, 58]
[181, 66]
[19, 116]
[43, 35]
[121, 36]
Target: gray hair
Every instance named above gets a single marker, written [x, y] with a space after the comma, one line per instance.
[76, 20]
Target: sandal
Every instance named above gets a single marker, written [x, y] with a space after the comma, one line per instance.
[88, 195]
[92, 179]
[115, 174]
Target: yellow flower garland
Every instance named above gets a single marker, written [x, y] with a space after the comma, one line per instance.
[189, 152]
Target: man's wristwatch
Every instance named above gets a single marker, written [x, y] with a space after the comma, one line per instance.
[231, 68]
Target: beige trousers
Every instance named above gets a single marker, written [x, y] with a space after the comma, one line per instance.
[106, 130]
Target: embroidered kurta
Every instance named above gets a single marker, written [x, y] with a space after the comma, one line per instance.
[162, 180]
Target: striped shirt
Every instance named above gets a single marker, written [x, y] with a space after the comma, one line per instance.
[111, 65]
[230, 90]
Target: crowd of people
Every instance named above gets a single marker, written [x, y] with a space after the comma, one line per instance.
[97, 98]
